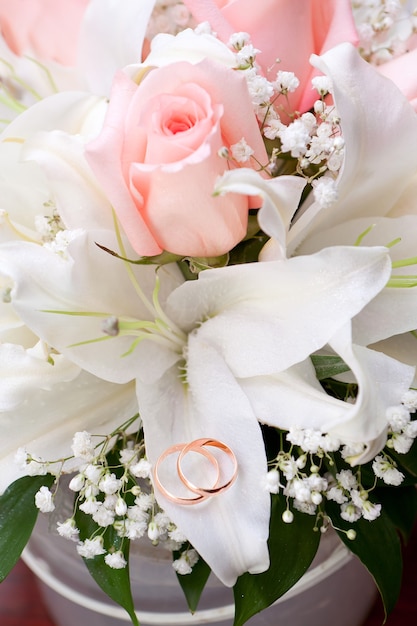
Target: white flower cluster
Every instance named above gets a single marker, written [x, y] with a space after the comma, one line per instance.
[384, 26]
[402, 430]
[119, 495]
[297, 474]
[314, 140]
[346, 490]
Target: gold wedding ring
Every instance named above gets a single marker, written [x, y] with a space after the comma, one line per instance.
[198, 446]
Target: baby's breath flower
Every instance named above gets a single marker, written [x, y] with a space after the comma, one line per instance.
[272, 481]
[77, 482]
[409, 400]
[90, 548]
[184, 565]
[322, 84]
[239, 40]
[44, 500]
[68, 529]
[286, 82]
[115, 560]
[325, 191]
[385, 469]
[110, 484]
[141, 469]
[82, 446]
[241, 151]
[398, 417]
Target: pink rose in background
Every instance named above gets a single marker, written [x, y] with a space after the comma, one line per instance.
[47, 29]
[157, 157]
[290, 30]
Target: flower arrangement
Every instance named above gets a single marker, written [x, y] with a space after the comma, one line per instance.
[207, 266]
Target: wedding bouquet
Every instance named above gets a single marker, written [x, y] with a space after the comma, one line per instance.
[209, 294]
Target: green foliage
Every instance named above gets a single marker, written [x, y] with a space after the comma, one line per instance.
[255, 592]
[114, 582]
[18, 514]
[400, 505]
[378, 546]
[328, 366]
[193, 584]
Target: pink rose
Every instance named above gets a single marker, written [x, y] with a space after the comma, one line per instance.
[157, 157]
[47, 29]
[290, 30]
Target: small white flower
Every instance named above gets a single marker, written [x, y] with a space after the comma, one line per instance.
[177, 536]
[241, 151]
[153, 531]
[91, 548]
[127, 455]
[400, 442]
[103, 516]
[44, 500]
[21, 458]
[398, 417]
[347, 479]
[115, 560]
[89, 506]
[121, 507]
[184, 565]
[325, 191]
[93, 473]
[409, 400]
[68, 529]
[322, 84]
[82, 446]
[336, 494]
[272, 481]
[141, 469]
[386, 470]
[245, 57]
[350, 512]
[288, 517]
[110, 483]
[239, 40]
[286, 82]
[371, 511]
[77, 482]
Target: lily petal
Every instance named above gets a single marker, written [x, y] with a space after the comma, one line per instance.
[65, 301]
[265, 317]
[110, 39]
[230, 529]
[23, 371]
[281, 197]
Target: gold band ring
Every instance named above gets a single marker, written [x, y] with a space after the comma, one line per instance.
[198, 446]
[178, 499]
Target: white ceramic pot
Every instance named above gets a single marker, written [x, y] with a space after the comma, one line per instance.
[336, 590]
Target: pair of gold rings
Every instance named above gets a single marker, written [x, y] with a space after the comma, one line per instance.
[200, 447]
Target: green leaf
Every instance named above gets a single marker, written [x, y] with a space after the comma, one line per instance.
[114, 582]
[378, 546]
[18, 514]
[400, 504]
[292, 548]
[193, 584]
[328, 366]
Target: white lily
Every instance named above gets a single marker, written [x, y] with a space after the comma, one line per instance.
[45, 421]
[108, 40]
[234, 323]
